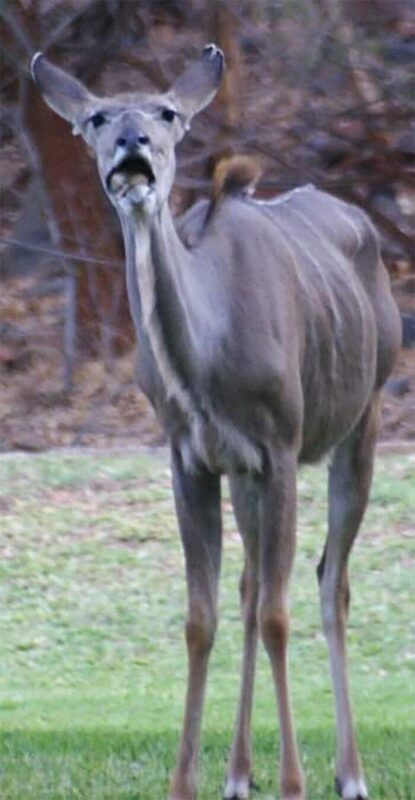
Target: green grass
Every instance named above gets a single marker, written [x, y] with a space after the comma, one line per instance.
[92, 660]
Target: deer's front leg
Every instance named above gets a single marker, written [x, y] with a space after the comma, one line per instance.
[277, 546]
[197, 497]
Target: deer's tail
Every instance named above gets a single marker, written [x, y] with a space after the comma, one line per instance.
[237, 174]
[233, 175]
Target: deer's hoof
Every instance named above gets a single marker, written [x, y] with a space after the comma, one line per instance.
[238, 788]
[352, 789]
[294, 797]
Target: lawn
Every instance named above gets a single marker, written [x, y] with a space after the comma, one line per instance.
[92, 659]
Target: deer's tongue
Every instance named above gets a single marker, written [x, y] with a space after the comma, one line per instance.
[129, 174]
[121, 182]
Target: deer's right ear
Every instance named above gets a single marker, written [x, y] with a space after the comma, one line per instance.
[63, 93]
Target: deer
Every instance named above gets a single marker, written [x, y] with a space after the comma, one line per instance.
[266, 330]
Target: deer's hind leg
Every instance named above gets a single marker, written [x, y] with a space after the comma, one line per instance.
[245, 499]
[350, 478]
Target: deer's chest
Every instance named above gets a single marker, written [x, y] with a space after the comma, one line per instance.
[208, 440]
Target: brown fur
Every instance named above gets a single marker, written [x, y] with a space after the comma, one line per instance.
[233, 175]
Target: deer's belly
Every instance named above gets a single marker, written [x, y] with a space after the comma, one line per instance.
[332, 414]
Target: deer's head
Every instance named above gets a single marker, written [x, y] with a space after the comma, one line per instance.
[133, 135]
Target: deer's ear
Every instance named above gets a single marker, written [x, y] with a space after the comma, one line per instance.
[197, 86]
[63, 93]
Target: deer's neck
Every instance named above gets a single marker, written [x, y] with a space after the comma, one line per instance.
[180, 311]
[165, 275]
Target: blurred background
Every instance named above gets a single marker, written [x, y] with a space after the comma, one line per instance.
[322, 91]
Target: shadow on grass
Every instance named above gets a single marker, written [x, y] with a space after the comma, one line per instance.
[112, 765]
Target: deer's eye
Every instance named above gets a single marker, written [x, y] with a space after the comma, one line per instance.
[168, 114]
[97, 120]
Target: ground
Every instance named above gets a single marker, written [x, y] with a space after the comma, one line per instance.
[92, 659]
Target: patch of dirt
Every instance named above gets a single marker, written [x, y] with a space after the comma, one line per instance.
[398, 411]
[105, 408]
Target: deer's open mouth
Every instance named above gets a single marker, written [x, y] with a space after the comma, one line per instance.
[134, 172]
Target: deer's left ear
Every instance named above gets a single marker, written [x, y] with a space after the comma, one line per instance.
[63, 93]
[197, 86]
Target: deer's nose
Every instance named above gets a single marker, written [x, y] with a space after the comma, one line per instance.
[130, 140]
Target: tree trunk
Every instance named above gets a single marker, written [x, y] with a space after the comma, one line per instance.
[85, 228]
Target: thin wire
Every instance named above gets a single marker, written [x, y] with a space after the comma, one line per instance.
[59, 254]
